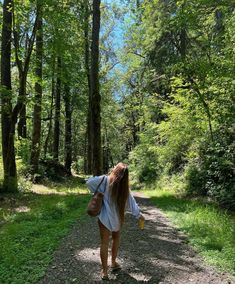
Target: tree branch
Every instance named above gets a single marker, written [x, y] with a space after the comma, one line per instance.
[138, 54]
[16, 41]
[31, 43]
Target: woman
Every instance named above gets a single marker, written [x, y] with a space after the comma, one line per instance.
[117, 198]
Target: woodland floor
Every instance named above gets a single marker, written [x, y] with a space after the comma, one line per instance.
[158, 254]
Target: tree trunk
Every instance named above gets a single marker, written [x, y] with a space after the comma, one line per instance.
[85, 162]
[51, 112]
[89, 134]
[21, 128]
[107, 156]
[219, 30]
[57, 112]
[36, 136]
[8, 127]
[68, 130]
[89, 139]
[95, 94]
[219, 25]
[22, 124]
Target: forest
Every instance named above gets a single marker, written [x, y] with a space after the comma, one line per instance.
[154, 87]
[87, 84]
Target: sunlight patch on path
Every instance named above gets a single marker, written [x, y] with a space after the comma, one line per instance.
[140, 277]
[88, 255]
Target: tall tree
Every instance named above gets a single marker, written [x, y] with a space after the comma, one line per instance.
[50, 113]
[89, 135]
[36, 135]
[95, 93]
[8, 126]
[56, 140]
[23, 62]
[68, 129]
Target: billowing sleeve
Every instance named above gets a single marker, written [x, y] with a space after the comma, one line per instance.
[93, 182]
[132, 206]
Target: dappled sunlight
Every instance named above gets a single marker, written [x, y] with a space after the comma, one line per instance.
[13, 206]
[140, 276]
[31, 228]
[157, 254]
[164, 237]
[88, 255]
[22, 209]
[60, 190]
[101, 100]
[140, 195]
[42, 189]
[89, 259]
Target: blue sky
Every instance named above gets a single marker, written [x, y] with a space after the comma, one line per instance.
[118, 32]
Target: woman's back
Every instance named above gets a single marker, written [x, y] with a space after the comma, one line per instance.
[109, 215]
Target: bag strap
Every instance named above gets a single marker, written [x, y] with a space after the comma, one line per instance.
[100, 185]
[105, 185]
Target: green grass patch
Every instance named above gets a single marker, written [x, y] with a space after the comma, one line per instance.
[210, 231]
[32, 226]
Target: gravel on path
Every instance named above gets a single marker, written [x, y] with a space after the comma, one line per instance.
[158, 254]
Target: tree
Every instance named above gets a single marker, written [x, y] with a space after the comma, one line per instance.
[56, 140]
[89, 132]
[68, 129]
[8, 125]
[36, 135]
[22, 58]
[184, 53]
[50, 113]
[95, 94]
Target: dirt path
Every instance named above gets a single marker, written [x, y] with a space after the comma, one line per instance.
[158, 254]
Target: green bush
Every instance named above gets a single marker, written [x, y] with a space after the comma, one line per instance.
[212, 173]
[195, 179]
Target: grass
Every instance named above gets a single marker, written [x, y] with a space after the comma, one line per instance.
[32, 226]
[210, 231]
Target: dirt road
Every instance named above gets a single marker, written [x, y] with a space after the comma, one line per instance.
[158, 254]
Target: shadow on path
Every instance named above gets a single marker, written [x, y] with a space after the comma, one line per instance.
[157, 254]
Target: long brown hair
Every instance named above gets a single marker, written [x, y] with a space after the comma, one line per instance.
[119, 186]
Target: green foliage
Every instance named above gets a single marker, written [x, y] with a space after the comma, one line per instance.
[144, 158]
[181, 61]
[22, 146]
[28, 238]
[212, 173]
[209, 230]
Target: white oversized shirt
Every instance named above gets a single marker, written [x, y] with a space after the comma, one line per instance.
[109, 216]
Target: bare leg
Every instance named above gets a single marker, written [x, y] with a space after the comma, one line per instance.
[115, 247]
[104, 237]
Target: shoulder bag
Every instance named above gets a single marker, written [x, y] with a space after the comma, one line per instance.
[95, 204]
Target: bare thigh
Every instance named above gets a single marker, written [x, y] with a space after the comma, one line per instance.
[104, 233]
